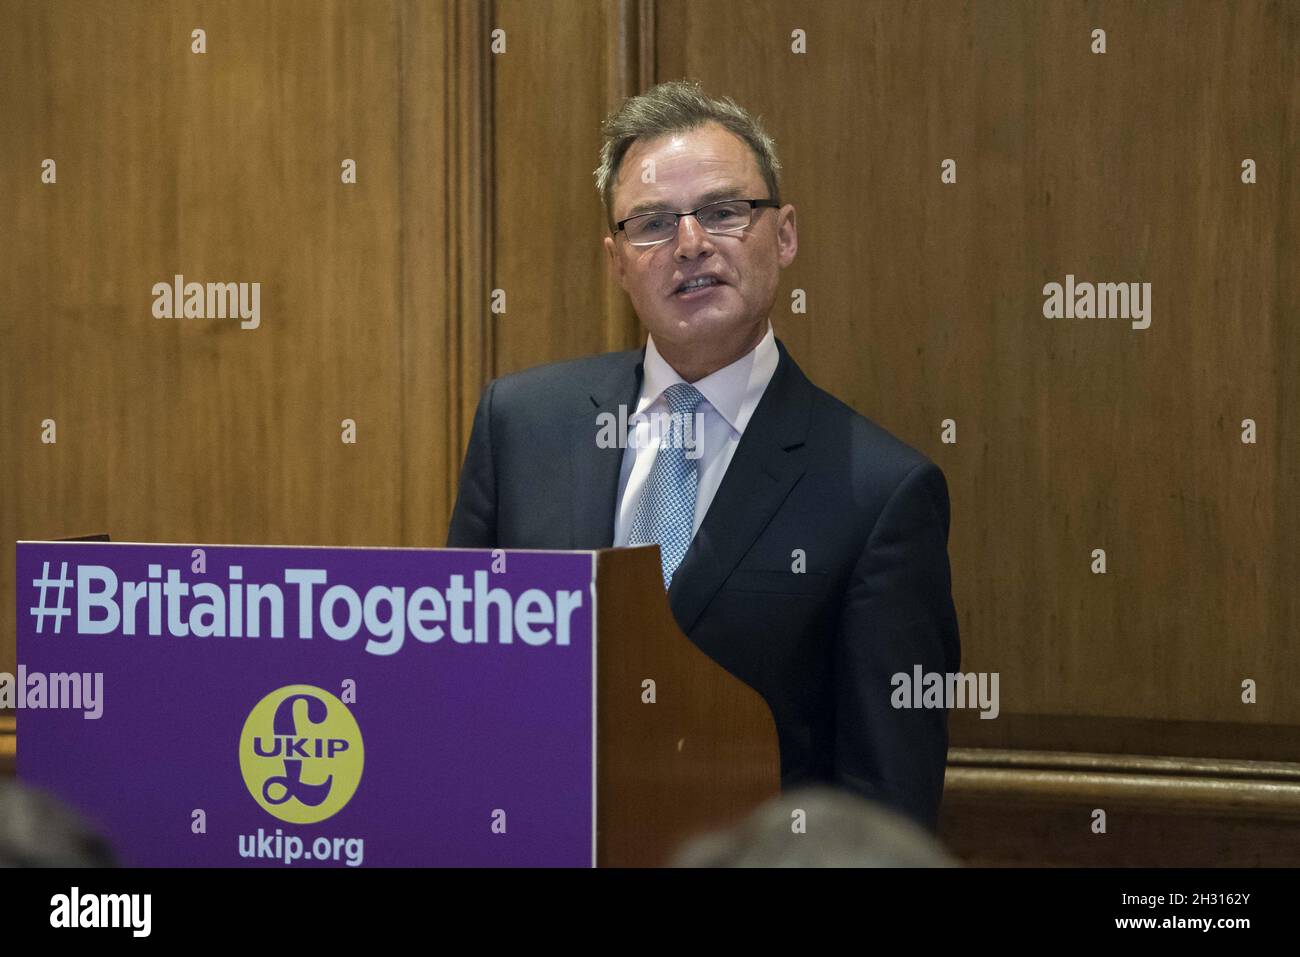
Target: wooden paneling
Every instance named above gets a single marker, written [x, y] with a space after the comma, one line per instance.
[445, 190]
[1040, 808]
[8, 744]
[1126, 735]
[565, 66]
[225, 166]
[925, 303]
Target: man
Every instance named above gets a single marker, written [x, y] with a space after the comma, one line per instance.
[804, 548]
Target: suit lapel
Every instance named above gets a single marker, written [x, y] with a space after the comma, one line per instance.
[767, 463]
[596, 470]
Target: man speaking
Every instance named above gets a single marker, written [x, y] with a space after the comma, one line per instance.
[804, 548]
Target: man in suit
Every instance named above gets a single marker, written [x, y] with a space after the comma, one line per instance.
[804, 548]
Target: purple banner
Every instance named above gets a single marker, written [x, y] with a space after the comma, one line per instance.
[229, 706]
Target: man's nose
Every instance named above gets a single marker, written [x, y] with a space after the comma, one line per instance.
[692, 238]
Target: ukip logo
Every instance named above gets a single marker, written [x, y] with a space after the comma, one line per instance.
[301, 754]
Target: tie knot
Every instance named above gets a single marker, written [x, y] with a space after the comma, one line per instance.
[683, 398]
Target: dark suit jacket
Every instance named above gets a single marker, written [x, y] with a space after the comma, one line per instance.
[869, 512]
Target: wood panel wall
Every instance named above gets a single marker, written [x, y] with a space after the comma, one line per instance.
[226, 166]
[924, 304]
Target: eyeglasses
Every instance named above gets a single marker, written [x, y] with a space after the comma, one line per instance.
[726, 216]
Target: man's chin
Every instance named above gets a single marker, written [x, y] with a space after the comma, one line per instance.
[703, 334]
[696, 325]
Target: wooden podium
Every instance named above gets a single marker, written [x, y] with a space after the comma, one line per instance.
[703, 755]
[611, 742]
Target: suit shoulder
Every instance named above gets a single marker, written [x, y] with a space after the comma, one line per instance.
[877, 464]
[558, 378]
[873, 449]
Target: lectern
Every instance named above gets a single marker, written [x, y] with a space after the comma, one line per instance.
[218, 705]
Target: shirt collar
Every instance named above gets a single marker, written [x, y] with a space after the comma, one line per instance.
[733, 390]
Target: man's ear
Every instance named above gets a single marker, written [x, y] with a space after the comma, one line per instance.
[616, 265]
[787, 237]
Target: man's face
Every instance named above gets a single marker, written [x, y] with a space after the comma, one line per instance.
[708, 329]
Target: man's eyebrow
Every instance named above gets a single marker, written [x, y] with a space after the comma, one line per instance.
[712, 196]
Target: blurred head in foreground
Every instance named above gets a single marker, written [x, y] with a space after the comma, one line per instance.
[817, 827]
[37, 830]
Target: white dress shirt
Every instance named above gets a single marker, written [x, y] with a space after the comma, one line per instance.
[730, 396]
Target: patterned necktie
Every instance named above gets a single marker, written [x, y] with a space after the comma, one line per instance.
[665, 515]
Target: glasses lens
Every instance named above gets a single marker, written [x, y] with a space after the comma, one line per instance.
[725, 217]
[650, 228]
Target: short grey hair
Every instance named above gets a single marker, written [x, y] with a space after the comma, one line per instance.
[676, 107]
[840, 829]
[38, 830]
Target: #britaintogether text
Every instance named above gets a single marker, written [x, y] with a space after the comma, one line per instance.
[169, 605]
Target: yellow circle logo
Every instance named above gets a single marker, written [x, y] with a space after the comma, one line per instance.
[301, 754]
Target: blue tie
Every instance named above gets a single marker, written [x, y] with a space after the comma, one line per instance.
[665, 515]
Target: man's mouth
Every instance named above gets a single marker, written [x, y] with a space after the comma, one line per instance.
[696, 285]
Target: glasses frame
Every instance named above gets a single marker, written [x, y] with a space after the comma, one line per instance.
[677, 219]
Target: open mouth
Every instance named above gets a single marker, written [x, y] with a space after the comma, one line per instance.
[695, 288]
